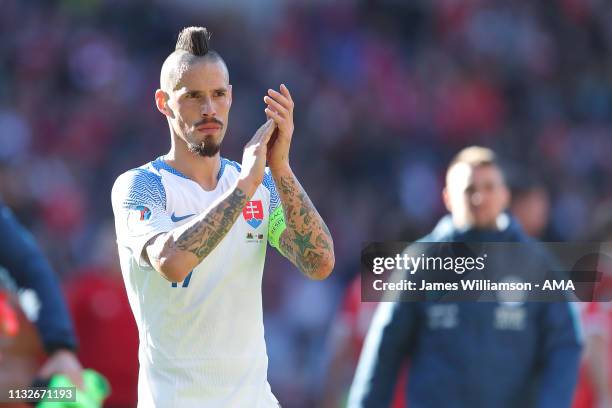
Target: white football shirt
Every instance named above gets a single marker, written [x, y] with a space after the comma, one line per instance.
[201, 340]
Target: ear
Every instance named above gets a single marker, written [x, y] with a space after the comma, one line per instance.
[229, 92]
[446, 199]
[161, 101]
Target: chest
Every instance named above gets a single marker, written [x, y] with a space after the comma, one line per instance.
[243, 247]
[186, 199]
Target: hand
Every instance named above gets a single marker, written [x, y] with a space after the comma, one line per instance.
[63, 362]
[280, 109]
[254, 159]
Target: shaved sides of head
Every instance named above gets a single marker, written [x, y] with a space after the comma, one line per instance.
[192, 46]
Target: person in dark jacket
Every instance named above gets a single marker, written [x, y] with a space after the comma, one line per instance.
[28, 269]
[460, 354]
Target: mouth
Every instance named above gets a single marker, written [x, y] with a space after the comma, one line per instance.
[208, 128]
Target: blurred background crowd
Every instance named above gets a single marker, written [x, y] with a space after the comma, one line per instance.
[386, 93]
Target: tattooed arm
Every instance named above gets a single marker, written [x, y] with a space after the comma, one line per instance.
[175, 253]
[306, 242]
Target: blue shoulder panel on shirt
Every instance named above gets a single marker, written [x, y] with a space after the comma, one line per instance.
[233, 164]
[143, 187]
[159, 164]
[221, 168]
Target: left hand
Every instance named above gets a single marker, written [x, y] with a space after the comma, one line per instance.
[280, 110]
[63, 362]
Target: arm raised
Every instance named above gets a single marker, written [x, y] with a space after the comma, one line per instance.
[175, 253]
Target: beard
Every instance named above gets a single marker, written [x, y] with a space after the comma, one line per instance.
[206, 148]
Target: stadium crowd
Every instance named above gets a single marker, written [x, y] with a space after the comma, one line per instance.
[386, 92]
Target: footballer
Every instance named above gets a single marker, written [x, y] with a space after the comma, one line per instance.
[192, 231]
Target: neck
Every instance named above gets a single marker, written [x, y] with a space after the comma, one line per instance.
[202, 170]
[500, 223]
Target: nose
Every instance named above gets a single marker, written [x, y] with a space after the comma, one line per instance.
[207, 107]
[476, 199]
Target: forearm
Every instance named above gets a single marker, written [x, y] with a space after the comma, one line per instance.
[306, 242]
[560, 353]
[386, 347]
[177, 252]
[558, 378]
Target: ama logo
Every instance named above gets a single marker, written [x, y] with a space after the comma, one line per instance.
[253, 213]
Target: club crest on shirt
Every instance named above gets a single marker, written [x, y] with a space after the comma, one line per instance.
[253, 213]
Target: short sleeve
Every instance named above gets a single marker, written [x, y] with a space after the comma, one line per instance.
[139, 205]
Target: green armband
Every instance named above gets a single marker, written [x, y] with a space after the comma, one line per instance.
[276, 227]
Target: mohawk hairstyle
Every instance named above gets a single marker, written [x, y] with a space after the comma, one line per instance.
[193, 44]
[194, 40]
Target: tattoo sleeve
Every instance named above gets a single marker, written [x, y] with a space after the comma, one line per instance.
[200, 236]
[306, 242]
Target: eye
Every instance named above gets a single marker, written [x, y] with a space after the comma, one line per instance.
[491, 187]
[220, 93]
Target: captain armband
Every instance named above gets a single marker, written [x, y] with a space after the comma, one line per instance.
[276, 227]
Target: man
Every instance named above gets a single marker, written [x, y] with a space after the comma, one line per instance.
[24, 268]
[594, 388]
[192, 230]
[462, 354]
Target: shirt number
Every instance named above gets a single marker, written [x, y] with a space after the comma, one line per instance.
[185, 282]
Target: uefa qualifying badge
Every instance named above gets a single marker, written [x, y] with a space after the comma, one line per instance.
[253, 213]
[138, 216]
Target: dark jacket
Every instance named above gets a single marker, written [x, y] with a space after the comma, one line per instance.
[29, 269]
[460, 357]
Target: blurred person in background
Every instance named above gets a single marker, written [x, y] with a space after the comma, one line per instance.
[595, 382]
[460, 354]
[26, 271]
[192, 230]
[594, 388]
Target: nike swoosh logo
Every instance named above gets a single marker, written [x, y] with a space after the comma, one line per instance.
[174, 218]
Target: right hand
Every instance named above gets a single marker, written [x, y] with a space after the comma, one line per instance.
[63, 362]
[254, 159]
